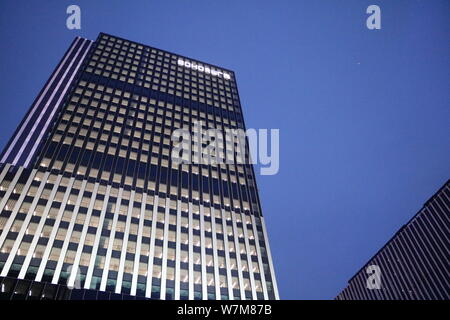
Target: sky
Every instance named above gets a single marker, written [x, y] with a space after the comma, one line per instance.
[363, 114]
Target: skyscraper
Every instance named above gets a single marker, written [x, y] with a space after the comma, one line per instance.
[414, 264]
[90, 196]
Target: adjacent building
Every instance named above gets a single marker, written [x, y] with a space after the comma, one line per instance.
[414, 264]
[90, 198]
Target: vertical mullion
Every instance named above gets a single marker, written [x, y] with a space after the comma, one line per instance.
[165, 245]
[238, 256]
[123, 254]
[4, 171]
[87, 220]
[249, 257]
[269, 257]
[227, 256]
[137, 256]
[178, 252]
[68, 234]
[148, 291]
[215, 255]
[54, 231]
[258, 252]
[97, 239]
[111, 241]
[13, 184]
[191, 255]
[203, 254]
[36, 236]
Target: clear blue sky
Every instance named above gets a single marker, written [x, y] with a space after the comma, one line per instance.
[363, 115]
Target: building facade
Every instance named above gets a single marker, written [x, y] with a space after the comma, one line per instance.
[90, 197]
[414, 264]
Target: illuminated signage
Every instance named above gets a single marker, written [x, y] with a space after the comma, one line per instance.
[201, 68]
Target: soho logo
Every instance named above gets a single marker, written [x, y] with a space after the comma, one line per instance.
[193, 66]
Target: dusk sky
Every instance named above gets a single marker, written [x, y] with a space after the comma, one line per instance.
[363, 114]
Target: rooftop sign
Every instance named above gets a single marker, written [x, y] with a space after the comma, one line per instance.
[201, 68]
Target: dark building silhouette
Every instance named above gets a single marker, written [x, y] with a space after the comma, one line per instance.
[414, 264]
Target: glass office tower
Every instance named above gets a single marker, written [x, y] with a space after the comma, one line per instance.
[90, 197]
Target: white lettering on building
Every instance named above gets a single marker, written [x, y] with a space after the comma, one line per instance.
[207, 70]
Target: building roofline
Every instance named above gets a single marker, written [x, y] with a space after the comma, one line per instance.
[446, 184]
[173, 53]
